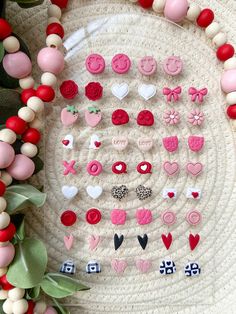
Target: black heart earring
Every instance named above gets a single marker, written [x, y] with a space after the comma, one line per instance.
[143, 241]
[118, 241]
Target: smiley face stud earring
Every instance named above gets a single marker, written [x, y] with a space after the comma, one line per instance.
[173, 65]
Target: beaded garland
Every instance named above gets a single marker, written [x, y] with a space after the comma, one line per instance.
[27, 124]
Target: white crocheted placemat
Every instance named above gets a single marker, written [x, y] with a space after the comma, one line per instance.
[128, 29]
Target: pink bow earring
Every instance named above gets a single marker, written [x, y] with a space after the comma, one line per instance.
[172, 94]
[197, 95]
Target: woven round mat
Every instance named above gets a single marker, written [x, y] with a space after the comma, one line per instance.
[123, 27]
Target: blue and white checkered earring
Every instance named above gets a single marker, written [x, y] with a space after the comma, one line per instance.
[192, 269]
[167, 267]
[93, 267]
[68, 267]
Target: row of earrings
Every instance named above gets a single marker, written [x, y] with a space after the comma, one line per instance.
[166, 267]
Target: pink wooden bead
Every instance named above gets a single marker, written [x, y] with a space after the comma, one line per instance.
[17, 65]
[176, 10]
[7, 155]
[7, 254]
[22, 167]
[50, 310]
[50, 60]
[228, 81]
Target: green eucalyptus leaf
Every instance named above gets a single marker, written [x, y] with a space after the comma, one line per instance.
[10, 103]
[29, 265]
[60, 286]
[2, 51]
[18, 221]
[33, 293]
[38, 164]
[21, 196]
[60, 309]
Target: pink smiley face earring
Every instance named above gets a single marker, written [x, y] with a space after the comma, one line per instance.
[147, 66]
[95, 63]
[173, 65]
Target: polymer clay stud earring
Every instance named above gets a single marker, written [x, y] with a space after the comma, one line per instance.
[173, 65]
[120, 91]
[119, 167]
[193, 241]
[168, 217]
[120, 117]
[171, 143]
[195, 169]
[167, 267]
[93, 267]
[147, 66]
[193, 217]
[145, 118]
[94, 168]
[197, 95]
[68, 267]
[192, 269]
[169, 193]
[143, 216]
[93, 116]
[193, 193]
[119, 192]
[195, 143]
[167, 240]
[143, 241]
[143, 192]
[95, 64]
[144, 167]
[172, 94]
[147, 91]
[120, 63]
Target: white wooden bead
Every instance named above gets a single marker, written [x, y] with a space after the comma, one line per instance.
[54, 11]
[4, 220]
[49, 79]
[8, 136]
[20, 307]
[220, 39]
[212, 30]
[2, 244]
[27, 82]
[231, 98]
[28, 149]
[26, 114]
[37, 124]
[16, 294]
[53, 20]
[3, 271]
[3, 294]
[230, 64]
[6, 178]
[35, 103]
[40, 307]
[158, 6]
[7, 306]
[193, 12]
[53, 40]
[11, 44]
[3, 204]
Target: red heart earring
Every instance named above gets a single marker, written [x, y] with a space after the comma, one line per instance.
[193, 241]
[167, 240]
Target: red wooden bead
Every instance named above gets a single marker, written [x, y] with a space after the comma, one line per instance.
[61, 3]
[2, 188]
[55, 28]
[146, 4]
[8, 233]
[231, 112]
[32, 136]
[16, 124]
[5, 284]
[46, 93]
[5, 29]
[225, 52]
[205, 18]
[31, 306]
[26, 94]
